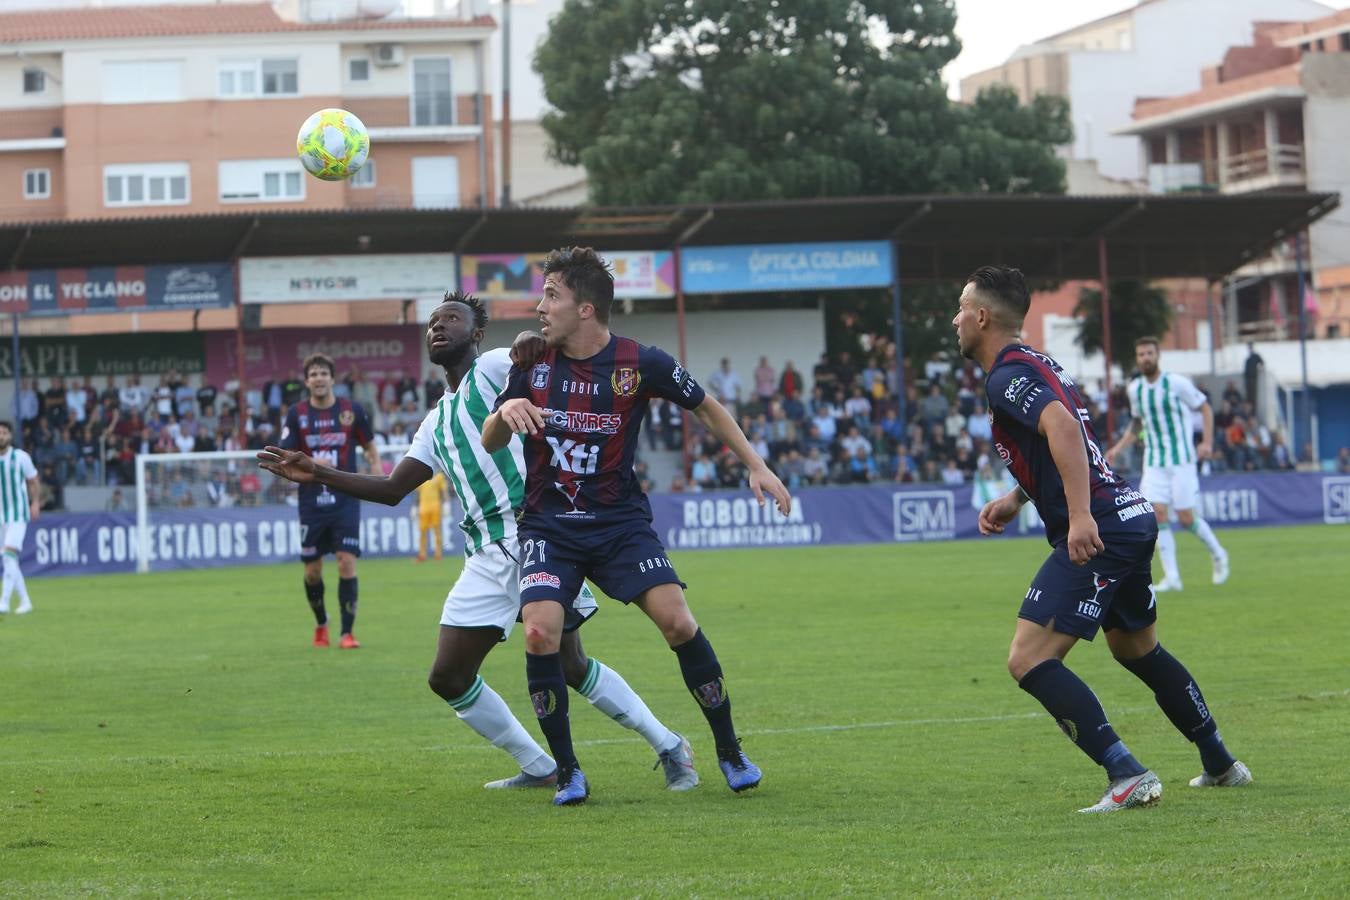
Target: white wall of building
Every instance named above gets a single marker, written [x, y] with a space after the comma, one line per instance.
[1173, 41]
[1326, 135]
[11, 81]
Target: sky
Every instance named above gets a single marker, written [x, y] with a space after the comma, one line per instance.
[990, 30]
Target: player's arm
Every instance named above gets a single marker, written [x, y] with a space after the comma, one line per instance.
[1206, 448]
[722, 426]
[373, 457]
[1064, 433]
[997, 513]
[296, 466]
[515, 413]
[34, 497]
[1126, 440]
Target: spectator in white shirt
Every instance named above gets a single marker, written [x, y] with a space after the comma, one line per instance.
[766, 380]
[726, 385]
[133, 396]
[855, 441]
[77, 399]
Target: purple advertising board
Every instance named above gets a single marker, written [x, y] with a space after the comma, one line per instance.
[381, 352]
[70, 544]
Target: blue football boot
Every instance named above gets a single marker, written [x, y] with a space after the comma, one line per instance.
[572, 787]
[740, 772]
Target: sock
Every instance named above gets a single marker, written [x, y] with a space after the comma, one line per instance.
[703, 676]
[1167, 552]
[347, 603]
[1080, 716]
[1180, 699]
[610, 694]
[483, 710]
[1200, 528]
[548, 693]
[11, 567]
[314, 594]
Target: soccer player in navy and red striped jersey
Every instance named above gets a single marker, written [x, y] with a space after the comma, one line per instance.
[1102, 533]
[579, 406]
[329, 428]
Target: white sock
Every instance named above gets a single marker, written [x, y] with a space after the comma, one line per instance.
[14, 581]
[1200, 528]
[1167, 552]
[610, 694]
[483, 710]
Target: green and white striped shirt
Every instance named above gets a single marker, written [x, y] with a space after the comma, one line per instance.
[489, 485]
[16, 468]
[1164, 407]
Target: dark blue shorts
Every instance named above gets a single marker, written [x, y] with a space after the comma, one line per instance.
[623, 564]
[320, 535]
[1113, 590]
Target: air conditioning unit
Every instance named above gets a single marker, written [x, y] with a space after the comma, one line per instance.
[388, 54]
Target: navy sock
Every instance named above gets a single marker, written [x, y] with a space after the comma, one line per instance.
[347, 603]
[1180, 699]
[548, 694]
[1080, 716]
[314, 594]
[703, 676]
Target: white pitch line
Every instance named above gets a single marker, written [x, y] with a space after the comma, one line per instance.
[599, 742]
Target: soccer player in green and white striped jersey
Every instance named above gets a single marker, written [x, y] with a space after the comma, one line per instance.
[18, 506]
[1162, 404]
[483, 604]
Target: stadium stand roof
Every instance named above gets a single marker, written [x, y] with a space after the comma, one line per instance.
[941, 237]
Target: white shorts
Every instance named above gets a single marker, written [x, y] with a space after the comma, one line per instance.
[15, 533]
[487, 593]
[1176, 486]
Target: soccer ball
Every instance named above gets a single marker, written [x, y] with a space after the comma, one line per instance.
[333, 144]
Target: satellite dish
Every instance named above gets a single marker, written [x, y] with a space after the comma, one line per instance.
[376, 9]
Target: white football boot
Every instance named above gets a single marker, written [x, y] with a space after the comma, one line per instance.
[1236, 776]
[1124, 793]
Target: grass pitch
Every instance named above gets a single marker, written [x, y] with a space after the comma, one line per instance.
[174, 734]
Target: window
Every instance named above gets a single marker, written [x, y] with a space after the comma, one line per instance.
[37, 184]
[34, 81]
[1345, 40]
[258, 78]
[358, 70]
[145, 184]
[433, 104]
[268, 180]
[147, 81]
[365, 176]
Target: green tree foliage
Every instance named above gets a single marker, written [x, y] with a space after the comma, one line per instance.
[670, 101]
[1137, 310]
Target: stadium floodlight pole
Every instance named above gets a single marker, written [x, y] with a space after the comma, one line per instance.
[900, 399]
[1213, 334]
[1106, 334]
[678, 250]
[506, 104]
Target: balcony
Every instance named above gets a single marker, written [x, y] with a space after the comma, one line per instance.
[1270, 168]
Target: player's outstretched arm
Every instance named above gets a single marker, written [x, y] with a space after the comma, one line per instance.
[527, 348]
[1064, 433]
[296, 466]
[719, 422]
[997, 513]
[1126, 441]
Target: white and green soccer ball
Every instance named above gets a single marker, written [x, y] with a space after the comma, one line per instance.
[333, 144]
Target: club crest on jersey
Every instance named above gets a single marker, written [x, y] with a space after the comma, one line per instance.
[346, 418]
[539, 377]
[625, 381]
[304, 421]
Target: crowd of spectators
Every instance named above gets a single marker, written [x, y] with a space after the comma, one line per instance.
[838, 424]
[83, 433]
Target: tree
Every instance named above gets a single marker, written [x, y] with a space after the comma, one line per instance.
[670, 101]
[1137, 310]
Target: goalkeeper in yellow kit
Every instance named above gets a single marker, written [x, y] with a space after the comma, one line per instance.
[432, 494]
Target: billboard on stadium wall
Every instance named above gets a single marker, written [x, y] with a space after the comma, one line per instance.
[381, 352]
[638, 274]
[59, 292]
[69, 544]
[787, 267]
[106, 354]
[318, 279]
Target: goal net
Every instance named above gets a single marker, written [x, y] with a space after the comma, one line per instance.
[197, 510]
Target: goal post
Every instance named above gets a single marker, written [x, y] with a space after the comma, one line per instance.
[196, 510]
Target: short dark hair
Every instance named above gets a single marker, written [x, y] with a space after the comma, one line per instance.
[1006, 285]
[5, 423]
[475, 305]
[1147, 339]
[319, 359]
[587, 275]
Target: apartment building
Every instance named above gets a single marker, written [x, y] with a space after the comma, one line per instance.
[110, 112]
[1155, 48]
[1273, 115]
